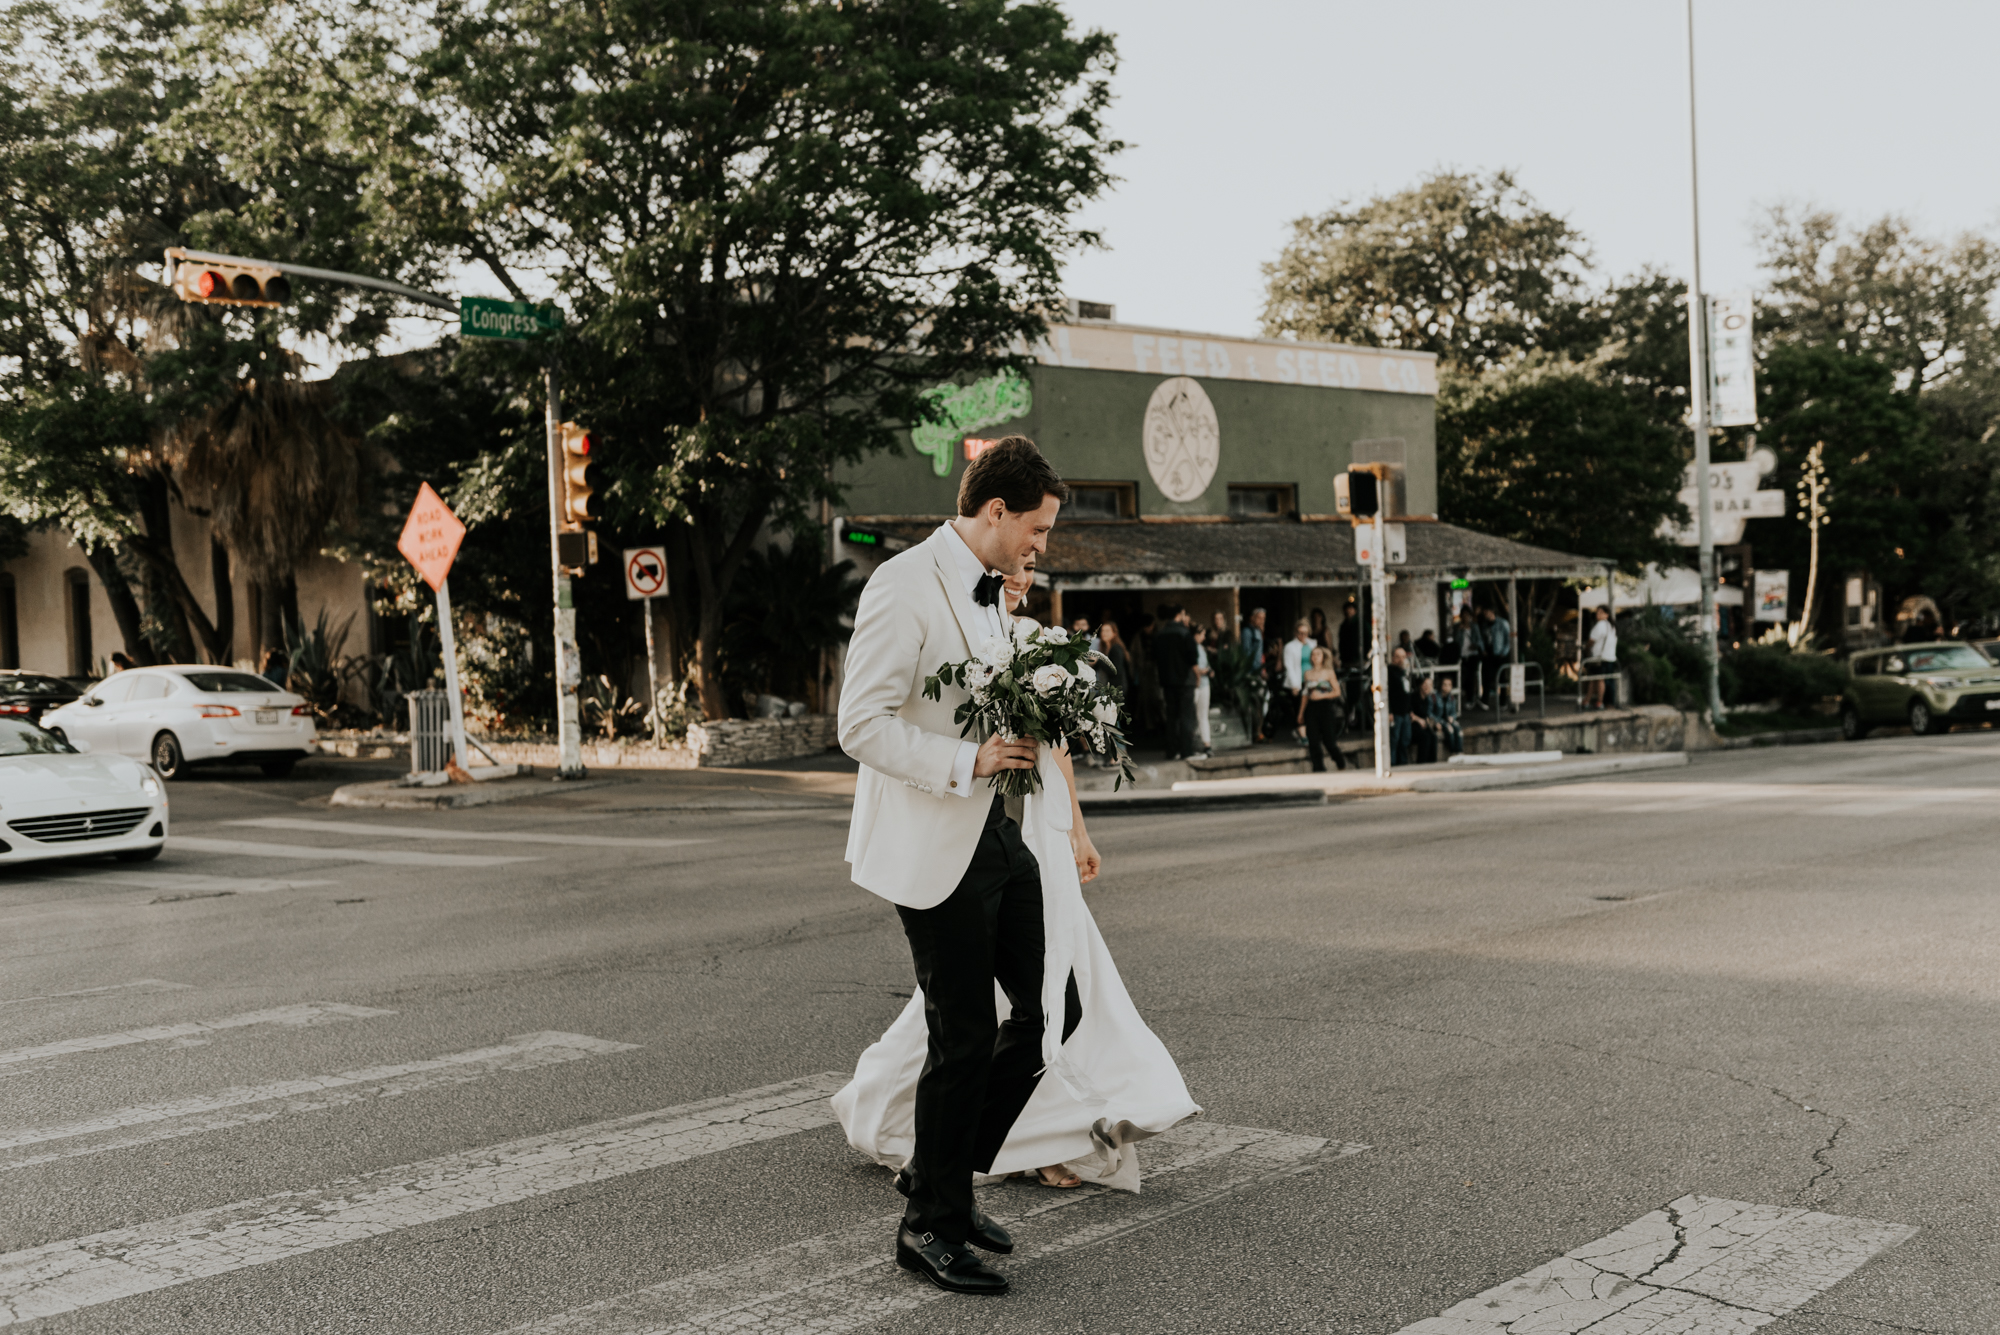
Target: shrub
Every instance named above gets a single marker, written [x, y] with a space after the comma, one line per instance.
[1770, 672]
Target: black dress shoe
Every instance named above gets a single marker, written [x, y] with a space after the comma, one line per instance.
[984, 1232]
[949, 1265]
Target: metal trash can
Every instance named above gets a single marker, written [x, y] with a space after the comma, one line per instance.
[430, 729]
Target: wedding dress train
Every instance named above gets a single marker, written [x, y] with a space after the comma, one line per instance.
[1109, 1086]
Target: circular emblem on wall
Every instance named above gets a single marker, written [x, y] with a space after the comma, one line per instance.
[1183, 441]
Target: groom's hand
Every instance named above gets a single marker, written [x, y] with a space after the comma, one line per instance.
[996, 755]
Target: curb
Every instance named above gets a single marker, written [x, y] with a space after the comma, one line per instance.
[389, 795]
[1429, 779]
[1154, 800]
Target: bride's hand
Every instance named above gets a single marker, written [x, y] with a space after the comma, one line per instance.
[1087, 861]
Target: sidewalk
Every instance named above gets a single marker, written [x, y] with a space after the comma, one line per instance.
[813, 783]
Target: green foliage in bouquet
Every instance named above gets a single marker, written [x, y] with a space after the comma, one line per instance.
[1036, 685]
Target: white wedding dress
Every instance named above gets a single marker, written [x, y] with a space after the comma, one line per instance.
[1108, 1087]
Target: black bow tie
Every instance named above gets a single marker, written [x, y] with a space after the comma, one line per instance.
[987, 591]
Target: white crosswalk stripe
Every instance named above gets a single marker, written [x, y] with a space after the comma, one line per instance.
[397, 857]
[83, 1272]
[247, 1104]
[477, 836]
[302, 1013]
[846, 1280]
[1764, 799]
[1699, 1266]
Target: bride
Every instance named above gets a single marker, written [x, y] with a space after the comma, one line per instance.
[1108, 1082]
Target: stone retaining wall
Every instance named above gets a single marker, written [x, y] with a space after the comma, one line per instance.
[724, 743]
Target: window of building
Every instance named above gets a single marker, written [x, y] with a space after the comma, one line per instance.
[1261, 500]
[10, 624]
[1101, 500]
[80, 656]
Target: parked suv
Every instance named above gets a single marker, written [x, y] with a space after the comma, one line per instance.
[1928, 686]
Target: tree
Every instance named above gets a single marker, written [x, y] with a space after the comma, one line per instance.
[773, 225]
[1923, 308]
[1467, 267]
[1549, 453]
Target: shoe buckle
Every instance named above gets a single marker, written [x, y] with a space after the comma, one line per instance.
[927, 1238]
[945, 1259]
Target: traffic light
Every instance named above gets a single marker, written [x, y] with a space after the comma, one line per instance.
[580, 478]
[1364, 498]
[219, 284]
[1369, 491]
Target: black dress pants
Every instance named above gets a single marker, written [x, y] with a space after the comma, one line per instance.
[1323, 733]
[979, 1073]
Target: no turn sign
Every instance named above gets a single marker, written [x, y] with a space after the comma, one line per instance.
[645, 572]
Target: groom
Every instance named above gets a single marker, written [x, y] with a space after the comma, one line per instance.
[932, 837]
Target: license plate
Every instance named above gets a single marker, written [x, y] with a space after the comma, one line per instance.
[1993, 704]
[267, 716]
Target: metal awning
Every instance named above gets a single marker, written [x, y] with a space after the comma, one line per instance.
[1193, 554]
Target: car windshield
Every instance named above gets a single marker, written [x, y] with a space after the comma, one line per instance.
[25, 739]
[238, 683]
[1950, 658]
[16, 684]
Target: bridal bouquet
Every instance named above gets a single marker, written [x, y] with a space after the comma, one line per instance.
[1036, 685]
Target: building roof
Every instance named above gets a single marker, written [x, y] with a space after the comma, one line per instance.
[1256, 553]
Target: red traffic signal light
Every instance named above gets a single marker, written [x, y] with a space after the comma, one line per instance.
[219, 284]
[581, 477]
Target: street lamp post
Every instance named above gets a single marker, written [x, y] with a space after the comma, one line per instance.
[1698, 397]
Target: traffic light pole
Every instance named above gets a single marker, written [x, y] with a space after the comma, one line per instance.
[569, 662]
[1698, 401]
[1378, 643]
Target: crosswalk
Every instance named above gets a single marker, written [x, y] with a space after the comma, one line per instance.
[1699, 1266]
[1837, 800]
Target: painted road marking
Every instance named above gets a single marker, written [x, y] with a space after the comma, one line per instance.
[141, 985]
[303, 1013]
[480, 836]
[395, 856]
[184, 883]
[1700, 1266]
[246, 1104]
[847, 1279]
[1810, 799]
[83, 1272]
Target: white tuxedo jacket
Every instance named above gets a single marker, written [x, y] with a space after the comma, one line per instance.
[912, 838]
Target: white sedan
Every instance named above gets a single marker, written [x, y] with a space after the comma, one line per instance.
[56, 802]
[181, 715]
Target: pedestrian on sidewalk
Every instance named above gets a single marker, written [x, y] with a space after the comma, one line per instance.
[1445, 721]
[1603, 660]
[1174, 660]
[1471, 642]
[1401, 698]
[1423, 722]
[1321, 708]
[1203, 677]
[1499, 652]
[1297, 657]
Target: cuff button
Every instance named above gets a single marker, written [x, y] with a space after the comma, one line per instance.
[954, 783]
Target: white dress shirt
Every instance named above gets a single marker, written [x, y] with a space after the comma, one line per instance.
[991, 620]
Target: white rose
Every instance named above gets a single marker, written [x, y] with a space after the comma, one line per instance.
[1024, 630]
[1055, 635]
[1049, 677]
[978, 677]
[996, 651]
[1105, 711]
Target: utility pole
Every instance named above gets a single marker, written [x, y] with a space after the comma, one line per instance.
[569, 661]
[1698, 396]
[1378, 642]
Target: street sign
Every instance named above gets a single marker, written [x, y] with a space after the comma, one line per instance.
[645, 572]
[1732, 364]
[519, 321]
[431, 537]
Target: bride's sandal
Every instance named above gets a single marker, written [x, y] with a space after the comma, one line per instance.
[1057, 1176]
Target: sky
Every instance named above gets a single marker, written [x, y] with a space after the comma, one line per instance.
[1245, 116]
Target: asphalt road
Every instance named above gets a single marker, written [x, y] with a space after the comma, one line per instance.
[1486, 1029]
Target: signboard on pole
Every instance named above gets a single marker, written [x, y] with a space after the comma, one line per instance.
[431, 537]
[1772, 592]
[645, 572]
[1732, 369]
[1395, 549]
[1733, 497]
[516, 321]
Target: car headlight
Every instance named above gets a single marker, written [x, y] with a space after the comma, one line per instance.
[1940, 683]
[150, 784]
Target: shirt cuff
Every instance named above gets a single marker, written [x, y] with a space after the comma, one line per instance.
[961, 769]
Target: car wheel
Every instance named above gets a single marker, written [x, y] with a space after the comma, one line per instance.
[167, 757]
[1922, 722]
[1851, 726]
[140, 854]
[277, 769]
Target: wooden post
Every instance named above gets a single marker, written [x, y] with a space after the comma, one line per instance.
[1055, 605]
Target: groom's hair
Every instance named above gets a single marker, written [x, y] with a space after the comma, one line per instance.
[1015, 471]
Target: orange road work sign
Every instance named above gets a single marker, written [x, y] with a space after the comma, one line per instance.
[432, 536]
